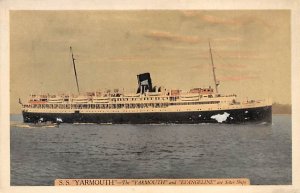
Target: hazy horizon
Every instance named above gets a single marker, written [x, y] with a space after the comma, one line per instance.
[252, 51]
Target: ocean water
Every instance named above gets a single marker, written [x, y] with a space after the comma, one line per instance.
[260, 152]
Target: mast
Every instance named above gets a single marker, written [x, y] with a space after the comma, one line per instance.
[73, 61]
[213, 69]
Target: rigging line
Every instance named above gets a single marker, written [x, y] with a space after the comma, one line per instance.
[222, 58]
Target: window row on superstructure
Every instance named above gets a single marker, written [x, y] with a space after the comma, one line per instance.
[114, 106]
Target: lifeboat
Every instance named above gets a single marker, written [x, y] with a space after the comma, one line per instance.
[100, 99]
[37, 102]
[190, 97]
[131, 95]
[154, 94]
[55, 100]
[80, 100]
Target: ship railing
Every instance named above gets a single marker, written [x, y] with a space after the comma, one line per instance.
[96, 106]
[257, 101]
[227, 95]
[116, 105]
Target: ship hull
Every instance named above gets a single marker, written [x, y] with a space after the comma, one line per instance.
[258, 114]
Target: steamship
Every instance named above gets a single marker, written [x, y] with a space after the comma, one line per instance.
[148, 105]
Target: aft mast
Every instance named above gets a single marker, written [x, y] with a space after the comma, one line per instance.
[213, 69]
[73, 61]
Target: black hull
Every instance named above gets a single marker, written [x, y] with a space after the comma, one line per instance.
[259, 114]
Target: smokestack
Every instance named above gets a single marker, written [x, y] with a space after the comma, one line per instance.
[144, 83]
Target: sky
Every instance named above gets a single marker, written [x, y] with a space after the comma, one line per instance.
[251, 51]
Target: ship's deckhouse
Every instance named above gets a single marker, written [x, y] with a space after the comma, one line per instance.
[198, 99]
